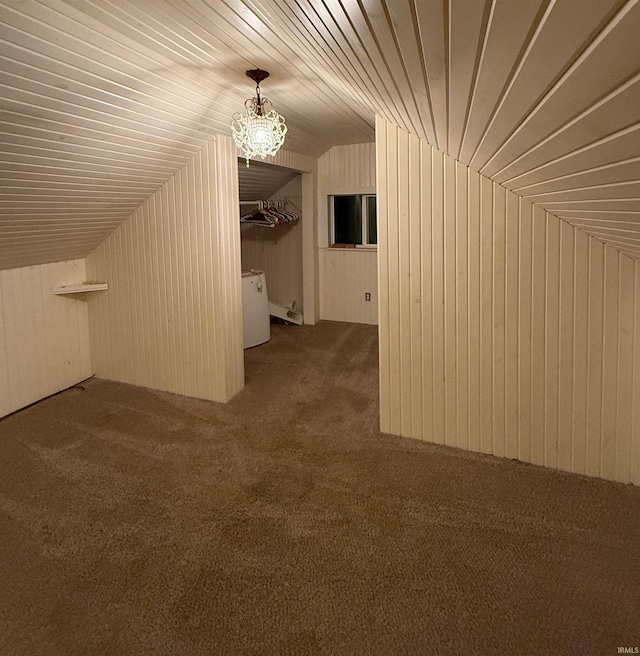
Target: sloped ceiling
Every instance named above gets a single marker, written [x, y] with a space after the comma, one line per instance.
[261, 180]
[101, 101]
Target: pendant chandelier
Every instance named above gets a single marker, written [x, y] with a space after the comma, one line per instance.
[260, 131]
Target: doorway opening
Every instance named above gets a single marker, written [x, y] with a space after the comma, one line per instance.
[271, 248]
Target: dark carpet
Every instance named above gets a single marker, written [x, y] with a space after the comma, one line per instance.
[135, 522]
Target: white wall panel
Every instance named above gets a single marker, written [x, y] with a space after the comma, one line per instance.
[5, 394]
[635, 402]
[348, 167]
[292, 160]
[344, 279]
[171, 319]
[346, 275]
[44, 338]
[528, 343]
[260, 181]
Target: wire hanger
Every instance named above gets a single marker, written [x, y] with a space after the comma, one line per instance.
[269, 214]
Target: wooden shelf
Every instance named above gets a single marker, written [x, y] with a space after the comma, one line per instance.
[78, 289]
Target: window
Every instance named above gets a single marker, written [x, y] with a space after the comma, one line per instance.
[353, 220]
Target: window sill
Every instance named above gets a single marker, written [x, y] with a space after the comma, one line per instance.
[358, 249]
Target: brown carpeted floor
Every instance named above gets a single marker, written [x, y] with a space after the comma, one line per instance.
[135, 522]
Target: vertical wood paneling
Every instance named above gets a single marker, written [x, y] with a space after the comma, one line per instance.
[44, 338]
[473, 295]
[352, 169]
[594, 358]
[221, 237]
[311, 255]
[580, 353]
[512, 324]
[437, 266]
[499, 319]
[566, 352]
[529, 347]
[227, 286]
[625, 370]
[551, 362]
[635, 415]
[392, 256]
[384, 351]
[351, 276]
[609, 432]
[404, 298]
[450, 337]
[462, 306]
[426, 289]
[526, 359]
[5, 392]
[171, 318]
[538, 332]
[347, 167]
[414, 271]
[486, 313]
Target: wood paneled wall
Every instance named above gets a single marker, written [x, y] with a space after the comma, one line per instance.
[278, 251]
[351, 167]
[171, 319]
[44, 338]
[502, 328]
[345, 275]
[344, 279]
[290, 160]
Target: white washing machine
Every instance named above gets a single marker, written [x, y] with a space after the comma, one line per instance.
[255, 309]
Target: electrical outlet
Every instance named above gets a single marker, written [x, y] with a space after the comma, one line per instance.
[367, 296]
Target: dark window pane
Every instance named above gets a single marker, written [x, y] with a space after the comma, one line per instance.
[347, 215]
[372, 221]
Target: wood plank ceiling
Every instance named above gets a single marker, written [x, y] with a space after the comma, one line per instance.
[261, 180]
[102, 101]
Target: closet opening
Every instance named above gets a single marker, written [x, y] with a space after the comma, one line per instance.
[271, 240]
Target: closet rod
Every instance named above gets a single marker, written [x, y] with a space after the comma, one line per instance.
[256, 202]
[263, 200]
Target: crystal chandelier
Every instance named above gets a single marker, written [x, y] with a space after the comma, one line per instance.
[260, 130]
